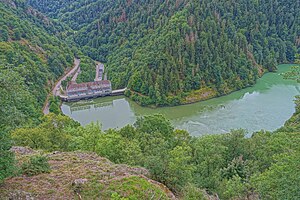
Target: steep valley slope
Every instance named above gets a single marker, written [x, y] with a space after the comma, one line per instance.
[173, 52]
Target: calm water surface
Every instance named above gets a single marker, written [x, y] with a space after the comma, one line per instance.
[267, 105]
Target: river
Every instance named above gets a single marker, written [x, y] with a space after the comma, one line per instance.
[266, 105]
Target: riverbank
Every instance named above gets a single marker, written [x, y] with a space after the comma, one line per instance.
[266, 105]
[195, 96]
[56, 88]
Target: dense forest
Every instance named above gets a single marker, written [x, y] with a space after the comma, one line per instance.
[164, 50]
[167, 53]
[33, 55]
[32, 58]
[230, 166]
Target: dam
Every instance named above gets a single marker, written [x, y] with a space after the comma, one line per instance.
[97, 88]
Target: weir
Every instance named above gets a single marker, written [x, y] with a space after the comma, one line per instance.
[118, 92]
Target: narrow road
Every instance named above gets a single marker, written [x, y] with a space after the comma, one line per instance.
[56, 89]
[99, 71]
[76, 75]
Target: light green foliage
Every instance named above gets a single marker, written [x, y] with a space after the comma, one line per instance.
[134, 188]
[235, 177]
[154, 123]
[87, 70]
[155, 150]
[180, 168]
[7, 160]
[237, 167]
[116, 196]
[89, 137]
[54, 105]
[120, 150]
[281, 180]
[190, 192]
[35, 165]
[234, 188]
[34, 138]
[209, 158]
[231, 165]
[294, 74]
[236, 145]
[117, 148]
[265, 145]
[50, 135]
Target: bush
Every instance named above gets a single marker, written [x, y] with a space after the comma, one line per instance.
[191, 192]
[36, 165]
[7, 158]
[54, 105]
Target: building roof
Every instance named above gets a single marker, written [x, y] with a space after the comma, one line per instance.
[77, 87]
[89, 85]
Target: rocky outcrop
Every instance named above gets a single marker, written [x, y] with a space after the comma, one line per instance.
[80, 175]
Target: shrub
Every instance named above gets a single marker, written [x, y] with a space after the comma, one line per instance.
[36, 165]
[7, 158]
[191, 192]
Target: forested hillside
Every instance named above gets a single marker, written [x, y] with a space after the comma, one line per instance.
[167, 53]
[230, 166]
[31, 58]
[163, 50]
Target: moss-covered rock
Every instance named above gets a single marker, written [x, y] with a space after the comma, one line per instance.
[80, 175]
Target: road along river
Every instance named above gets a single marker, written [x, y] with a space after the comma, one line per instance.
[56, 89]
[266, 105]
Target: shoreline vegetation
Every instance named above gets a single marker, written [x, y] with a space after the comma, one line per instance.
[192, 97]
[230, 166]
[164, 58]
[163, 51]
[53, 87]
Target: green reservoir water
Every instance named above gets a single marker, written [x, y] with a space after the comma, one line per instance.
[266, 105]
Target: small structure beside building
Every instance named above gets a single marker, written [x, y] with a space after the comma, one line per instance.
[99, 72]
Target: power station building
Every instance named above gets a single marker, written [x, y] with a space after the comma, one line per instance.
[79, 91]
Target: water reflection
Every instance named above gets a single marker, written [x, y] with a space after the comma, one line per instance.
[110, 112]
[267, 105]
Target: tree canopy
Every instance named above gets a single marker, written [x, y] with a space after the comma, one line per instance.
[164, 50]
